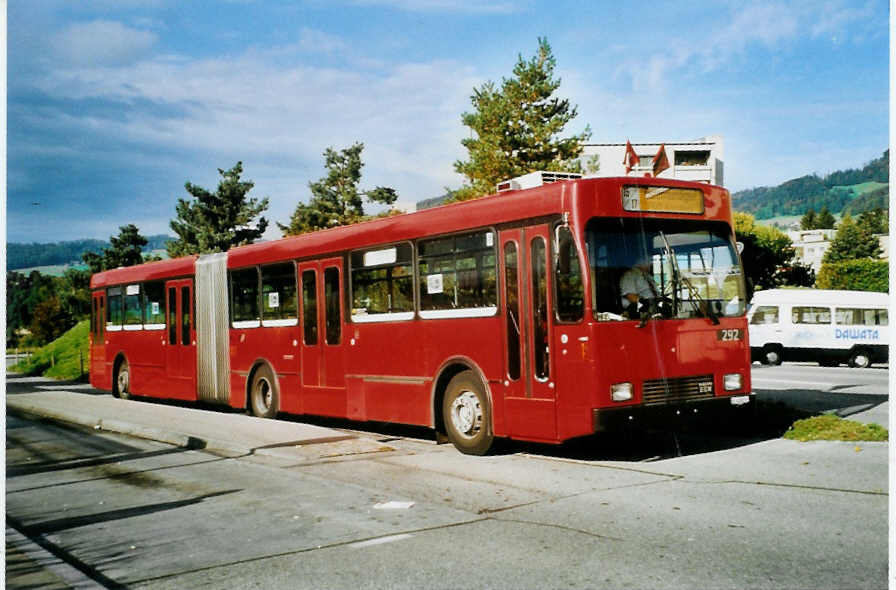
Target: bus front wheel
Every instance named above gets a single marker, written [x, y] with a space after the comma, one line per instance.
[264, 397]
[467, 415]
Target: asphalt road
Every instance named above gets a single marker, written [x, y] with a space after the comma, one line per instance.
[389, 509]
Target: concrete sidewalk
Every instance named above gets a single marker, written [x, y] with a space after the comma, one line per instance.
[229, 433]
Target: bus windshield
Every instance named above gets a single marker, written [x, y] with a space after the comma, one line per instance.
[690, 269]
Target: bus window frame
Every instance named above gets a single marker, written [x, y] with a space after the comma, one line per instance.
[110, 325]
[279, 322]
[554, 257]
[155, 326]
[460, 312]
[392, 316]
[244, 324]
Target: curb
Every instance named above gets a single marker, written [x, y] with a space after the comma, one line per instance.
[118, 427]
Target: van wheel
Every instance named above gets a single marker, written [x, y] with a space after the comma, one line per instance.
[467, 415]
[860, 359]
[771, 355]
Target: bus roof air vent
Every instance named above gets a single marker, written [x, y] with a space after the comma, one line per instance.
[534, 179]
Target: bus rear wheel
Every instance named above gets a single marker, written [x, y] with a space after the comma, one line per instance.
[123, 381]
[264, 396]
[467, 415]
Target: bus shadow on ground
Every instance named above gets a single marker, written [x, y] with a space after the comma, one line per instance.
[769, 420]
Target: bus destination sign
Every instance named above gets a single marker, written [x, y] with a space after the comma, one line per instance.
[662, 199]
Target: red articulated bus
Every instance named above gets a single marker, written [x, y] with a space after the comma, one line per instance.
[499, 317]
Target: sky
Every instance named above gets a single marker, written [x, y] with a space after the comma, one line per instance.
[113, 105]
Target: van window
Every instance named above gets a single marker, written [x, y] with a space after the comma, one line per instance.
[811, 315]
[861, 317]
[765, 314]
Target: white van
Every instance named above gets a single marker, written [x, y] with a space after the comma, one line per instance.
[830, 327]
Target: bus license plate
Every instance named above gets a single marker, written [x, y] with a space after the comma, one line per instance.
[729, 334]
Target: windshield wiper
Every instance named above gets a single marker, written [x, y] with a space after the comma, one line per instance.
[700, 304]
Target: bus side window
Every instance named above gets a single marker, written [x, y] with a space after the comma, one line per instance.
[765, 314]
[568, 278]
[244, 293]
[114, 311]
[133, 306]
[278, 294]
[382, 282]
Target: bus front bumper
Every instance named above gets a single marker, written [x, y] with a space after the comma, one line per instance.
[672, 415]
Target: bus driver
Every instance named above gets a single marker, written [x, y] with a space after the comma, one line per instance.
[637, 285]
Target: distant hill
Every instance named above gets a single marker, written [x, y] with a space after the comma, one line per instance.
[851, 191]
[19, 256]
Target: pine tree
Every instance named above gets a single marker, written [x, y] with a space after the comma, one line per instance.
[825, 219]
[517, 127]
[809, 220]
[126, 250]
[215, 222]
[335, 198]
[874, 221]
[851, 242]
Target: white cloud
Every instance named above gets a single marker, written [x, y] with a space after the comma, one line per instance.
[101, 42]
[248, 108]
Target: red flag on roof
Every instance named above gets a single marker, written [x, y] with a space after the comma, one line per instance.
[660, 161]
[630, 160]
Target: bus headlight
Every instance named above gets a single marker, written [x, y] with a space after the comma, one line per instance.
[621, 392]
[733, 381]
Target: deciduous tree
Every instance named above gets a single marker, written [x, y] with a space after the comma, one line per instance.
[217, 221]
[335, 198]
[517, 127]
[767, 252]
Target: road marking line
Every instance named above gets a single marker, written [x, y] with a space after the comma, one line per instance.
[380, 541]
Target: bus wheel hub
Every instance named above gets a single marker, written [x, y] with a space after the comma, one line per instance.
[466, 415]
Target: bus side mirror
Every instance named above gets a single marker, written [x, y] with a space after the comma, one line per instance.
[740, 247]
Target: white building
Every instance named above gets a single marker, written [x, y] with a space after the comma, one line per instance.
[700, 160]
[809, 245]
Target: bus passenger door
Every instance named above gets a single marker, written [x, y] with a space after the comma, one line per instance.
[180, 346]
[331, 305]
[98, 342]
[310, 340]
[530, 400]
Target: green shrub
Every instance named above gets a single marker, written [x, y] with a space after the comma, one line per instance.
[831, 427]
[61, 359]
[863, 274]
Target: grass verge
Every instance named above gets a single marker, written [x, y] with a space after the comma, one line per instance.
[831, 427]
[67, 357]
